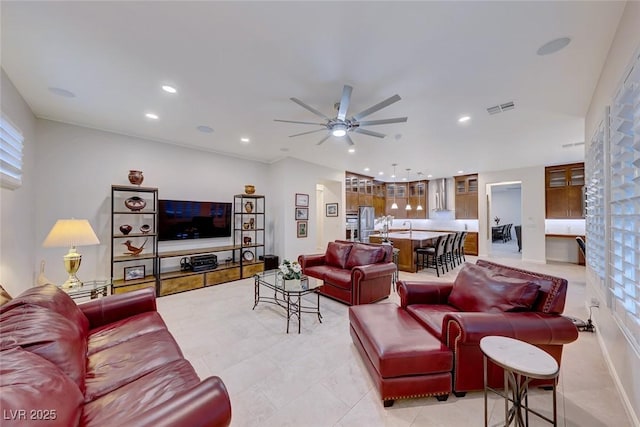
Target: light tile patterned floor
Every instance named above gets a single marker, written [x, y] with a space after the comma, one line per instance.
[317, 378]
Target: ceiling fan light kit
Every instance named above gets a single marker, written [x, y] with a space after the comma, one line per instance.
[340, 126]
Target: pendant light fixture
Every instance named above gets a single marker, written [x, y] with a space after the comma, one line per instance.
[395, 188]
[419, 207]
[408, 207]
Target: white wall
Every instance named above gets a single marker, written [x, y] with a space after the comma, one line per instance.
[506, 205]
[76, 166]
[533, 197]
[17, 234]
[622, 359]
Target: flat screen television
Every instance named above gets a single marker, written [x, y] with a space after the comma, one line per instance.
[182, 219]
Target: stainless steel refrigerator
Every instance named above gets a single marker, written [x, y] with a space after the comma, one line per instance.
[366, 222]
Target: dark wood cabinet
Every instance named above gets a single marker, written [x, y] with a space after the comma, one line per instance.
[564, 191]
[358, 191]
[466, 196]
[417, 197]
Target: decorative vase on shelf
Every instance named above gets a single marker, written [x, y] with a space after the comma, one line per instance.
[135, 203]
[248, 206]
[135, 177]
[125, 229]
[145, 228]
[249, 189]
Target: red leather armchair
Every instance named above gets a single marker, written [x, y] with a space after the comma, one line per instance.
[353, 273]
[109, 362]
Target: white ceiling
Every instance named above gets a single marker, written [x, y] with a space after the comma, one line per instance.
[236, 64]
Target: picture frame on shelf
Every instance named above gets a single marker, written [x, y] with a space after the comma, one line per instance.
[302, 229]
[331, 209]
[302, 214]
[134, 272]
[302, 200]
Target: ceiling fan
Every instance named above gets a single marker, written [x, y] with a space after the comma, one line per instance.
[340, 126]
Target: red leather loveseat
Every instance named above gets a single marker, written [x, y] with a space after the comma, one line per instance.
[353, 273]
[429, 345]
[108, 362]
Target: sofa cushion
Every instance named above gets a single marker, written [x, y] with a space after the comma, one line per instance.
[147, 392]
[431, 316]
[338, 277]
[479, 289]
[52, 298]
[124, 330]
[32, 384]
[364, 255]
[337, 254]
[113, 367]
[48, 334]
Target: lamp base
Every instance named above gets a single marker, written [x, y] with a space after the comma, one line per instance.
[72, 282]
[72, 262]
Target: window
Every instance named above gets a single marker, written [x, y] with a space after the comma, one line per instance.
[595, 203]
[11, 141]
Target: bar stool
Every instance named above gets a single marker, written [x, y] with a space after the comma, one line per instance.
[522, 362]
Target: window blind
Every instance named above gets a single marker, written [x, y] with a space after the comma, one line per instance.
[11, 144]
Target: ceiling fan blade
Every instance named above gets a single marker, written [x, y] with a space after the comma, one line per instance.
[310, 108]
[369, 132]
[383, 121]
[349, 140]
[306, 133]
[379, 106]
[301, 123]
[324, 139]
[344, 102]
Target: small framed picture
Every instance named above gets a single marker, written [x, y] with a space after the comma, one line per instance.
[332, 209]
[302, 229]
[133, 273]
[302, 200]
[302, 214]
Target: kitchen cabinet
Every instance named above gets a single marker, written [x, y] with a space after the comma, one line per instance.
[418, 197]
[358, 191]
[396, 192]
[564, 191]
[466, 196]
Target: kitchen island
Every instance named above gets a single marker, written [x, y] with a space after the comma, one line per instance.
[407, 242]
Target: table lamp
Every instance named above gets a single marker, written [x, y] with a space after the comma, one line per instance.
[71, 232]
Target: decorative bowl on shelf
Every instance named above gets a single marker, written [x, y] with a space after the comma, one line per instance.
[135, 177]
[135, 203]
[249, 189]
[145, 228]
[125, 229]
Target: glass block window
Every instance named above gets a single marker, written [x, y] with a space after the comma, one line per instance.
[11, 142]
[624, 205]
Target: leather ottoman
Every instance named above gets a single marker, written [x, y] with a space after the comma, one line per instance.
[403, 359]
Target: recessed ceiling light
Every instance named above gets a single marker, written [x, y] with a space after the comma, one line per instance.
[169, 89]
[464, 119]
[205, 129]
[393, 175]
[553, 46]
[366, 169]
[460, 171]
[429, 176]
[404, 179]
[151, 116]
[352, 150]
[380, 173]
[62, 92]
[244, 139]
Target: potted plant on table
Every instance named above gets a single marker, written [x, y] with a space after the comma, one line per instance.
[290, 271]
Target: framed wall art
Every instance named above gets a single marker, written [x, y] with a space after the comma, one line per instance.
[302, 200]
[332, 209]
[302, 229]
[133, 273]
[302, 214]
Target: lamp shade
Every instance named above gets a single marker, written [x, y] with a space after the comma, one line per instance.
[71, 232]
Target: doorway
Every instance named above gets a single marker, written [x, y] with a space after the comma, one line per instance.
[505, 220]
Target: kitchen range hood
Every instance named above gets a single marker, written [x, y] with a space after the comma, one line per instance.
[441, 195]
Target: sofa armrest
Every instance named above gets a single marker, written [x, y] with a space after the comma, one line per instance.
[412, 292]
[311, 260]
[533, 327]
[372, 271]
[205, 405]
[103, 311]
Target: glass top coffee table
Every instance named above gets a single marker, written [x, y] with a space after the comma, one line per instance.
[288, 294]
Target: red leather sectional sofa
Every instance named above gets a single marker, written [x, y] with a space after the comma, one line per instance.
[429, 345]
[108, 362]
[353, 273]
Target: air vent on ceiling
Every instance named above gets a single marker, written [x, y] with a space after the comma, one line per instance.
[502, 107]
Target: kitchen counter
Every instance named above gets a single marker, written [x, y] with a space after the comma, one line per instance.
[407, 242]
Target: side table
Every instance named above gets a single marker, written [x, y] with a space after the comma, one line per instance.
[92, 289]
[521, 362]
